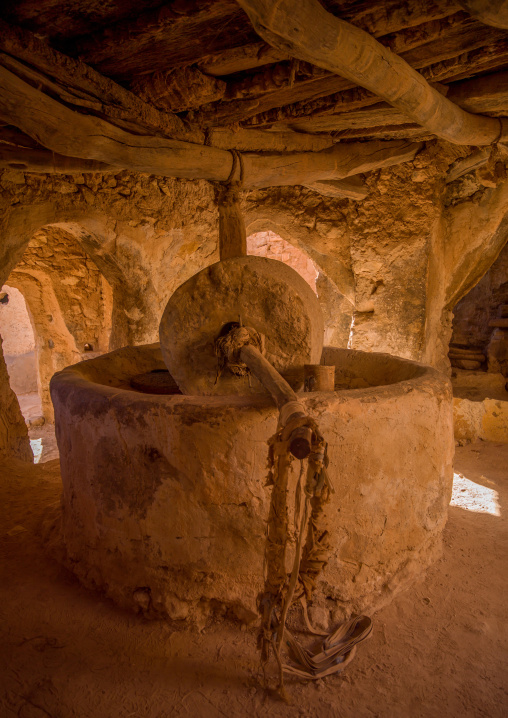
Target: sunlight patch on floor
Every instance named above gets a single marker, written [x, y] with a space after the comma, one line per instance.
[36, 445]
[474, 497]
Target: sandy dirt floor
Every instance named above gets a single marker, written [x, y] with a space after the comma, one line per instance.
[439, 650]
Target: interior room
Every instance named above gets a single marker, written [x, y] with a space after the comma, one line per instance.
[253, 358]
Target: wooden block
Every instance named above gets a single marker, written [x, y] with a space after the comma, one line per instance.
[501, 322]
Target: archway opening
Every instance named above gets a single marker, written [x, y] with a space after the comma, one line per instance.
[19, 351]
[271, 245]
[58, 311]
[19, 347]
[479, 340]
[479, 357]
[337, 310]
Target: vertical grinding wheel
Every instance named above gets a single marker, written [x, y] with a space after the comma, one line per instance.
[267, 295]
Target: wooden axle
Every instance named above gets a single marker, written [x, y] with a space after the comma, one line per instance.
[284, 397]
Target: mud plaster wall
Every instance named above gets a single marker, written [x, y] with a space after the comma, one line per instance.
[398, 261]
[402, 255]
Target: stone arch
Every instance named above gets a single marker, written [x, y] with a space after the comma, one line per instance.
[271, 245]
[336, 303]
[18, 225]
[60, 339]
[70, 303]
[135, 299]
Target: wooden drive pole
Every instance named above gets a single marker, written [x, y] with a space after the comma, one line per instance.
[284, 397]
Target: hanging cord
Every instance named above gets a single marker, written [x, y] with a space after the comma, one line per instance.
[281, 591]
[227, 193]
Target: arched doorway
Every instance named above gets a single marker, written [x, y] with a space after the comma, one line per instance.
[337, 310]
[60, 308]
[19, 350]
[480, 323]
[69, 301]
[269, 244]
[19, 346]
[479, 357]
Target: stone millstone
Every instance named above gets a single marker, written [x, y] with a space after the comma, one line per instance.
[268, 296]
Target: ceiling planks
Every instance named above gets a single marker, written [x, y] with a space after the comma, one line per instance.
[174, 35]
[441, 51]
[203, 60]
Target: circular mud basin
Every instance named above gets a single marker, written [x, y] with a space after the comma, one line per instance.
[164, 496]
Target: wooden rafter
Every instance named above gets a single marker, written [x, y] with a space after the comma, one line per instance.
[468, 46]
[67, 132]
[486, 95]
[79, 85]
[308, 32]
[165, 38]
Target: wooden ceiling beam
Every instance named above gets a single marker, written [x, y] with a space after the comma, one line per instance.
[179, 89]
[410, 132]
[239, 59]
[488, 94]
[266, 141]
[218, 37]
[308, 32]
[175, 35]
[491, 13]
[468, 164]
[44, 161]
[79, 85]
[12, 136]
[432, 41]
[381, 18]
[411, 16]
[67, 132]
[440, 44]
[378, 115]
[350, 188]
[488, 58]
[61, 19]
[483, 59]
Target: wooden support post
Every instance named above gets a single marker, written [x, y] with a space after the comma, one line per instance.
[232, 233]
[318, 377]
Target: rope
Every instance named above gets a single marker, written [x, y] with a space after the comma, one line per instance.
[337, 650]
[311, 556]
[228, 346]
[501, 130]
[233, 166]
[288, 409]
[228, 192]
[237, 160]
